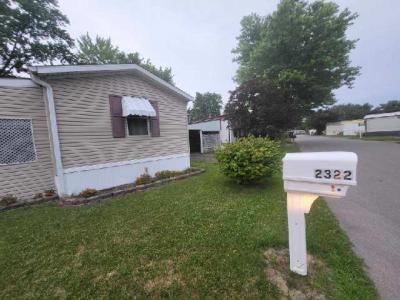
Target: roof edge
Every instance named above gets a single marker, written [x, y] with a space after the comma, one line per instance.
[47, 70]
[17, 82]
[392, 114]
[216, 118]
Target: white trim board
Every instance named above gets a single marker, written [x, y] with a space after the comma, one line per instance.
[43, 70]
[17, 82]
[123, 163]
[109, 175]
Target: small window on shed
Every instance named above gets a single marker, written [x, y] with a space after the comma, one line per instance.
[16, 141]
[138, 125]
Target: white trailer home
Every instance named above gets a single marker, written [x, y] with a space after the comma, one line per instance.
[348, 127]
[383, 124]
[69, 128]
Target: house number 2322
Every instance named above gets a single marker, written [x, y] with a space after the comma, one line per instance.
[333, 174]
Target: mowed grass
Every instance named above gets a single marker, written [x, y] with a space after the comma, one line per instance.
[202, 237]
[381, 138]
[387, 138]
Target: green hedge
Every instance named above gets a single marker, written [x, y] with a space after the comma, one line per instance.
[249, 159]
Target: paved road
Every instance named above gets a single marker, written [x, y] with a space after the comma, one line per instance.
[370, 213]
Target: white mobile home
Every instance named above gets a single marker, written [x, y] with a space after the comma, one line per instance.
[383, 124]
[75, 127]
[347, 128]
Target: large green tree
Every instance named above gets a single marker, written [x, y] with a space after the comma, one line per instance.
[32, 32]
[301, 47]
[101, 51]
[205, 105]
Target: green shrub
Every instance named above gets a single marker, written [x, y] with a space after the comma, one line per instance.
[86, 193]
[143, 179]
[248, 159]
[8, 200]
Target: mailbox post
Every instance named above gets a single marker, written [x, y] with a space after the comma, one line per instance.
[306, 177]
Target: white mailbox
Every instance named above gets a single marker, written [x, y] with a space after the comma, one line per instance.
[306, 177]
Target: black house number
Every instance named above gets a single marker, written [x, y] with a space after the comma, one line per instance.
[333, 174]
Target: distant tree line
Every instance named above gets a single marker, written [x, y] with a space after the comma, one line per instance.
[101, 51]
[318, 119]
[33, 32]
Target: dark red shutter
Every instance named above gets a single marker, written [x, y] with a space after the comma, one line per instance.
[155, 121]
[117, 120]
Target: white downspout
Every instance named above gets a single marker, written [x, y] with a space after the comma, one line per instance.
[55, 140]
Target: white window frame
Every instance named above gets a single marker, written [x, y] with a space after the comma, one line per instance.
[138, 135]
[33, 141]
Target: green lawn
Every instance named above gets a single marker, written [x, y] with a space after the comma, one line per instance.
[388, 138]
[201, 237]
[383, 138]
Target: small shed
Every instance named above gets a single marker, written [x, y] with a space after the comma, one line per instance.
[383, 124]
[207, 134]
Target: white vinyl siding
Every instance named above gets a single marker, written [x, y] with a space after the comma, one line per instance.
[83, 116]
[383, 124]
[29, 178]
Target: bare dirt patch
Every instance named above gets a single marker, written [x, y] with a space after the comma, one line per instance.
[289, 284]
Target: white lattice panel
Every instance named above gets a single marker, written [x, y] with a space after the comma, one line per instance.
[16, 141]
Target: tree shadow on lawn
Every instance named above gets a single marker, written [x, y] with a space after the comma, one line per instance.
[263, 183]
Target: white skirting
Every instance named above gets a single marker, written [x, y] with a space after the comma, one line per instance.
[113, 174]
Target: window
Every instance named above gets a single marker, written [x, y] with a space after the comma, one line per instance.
[16, 141]
[137, 125]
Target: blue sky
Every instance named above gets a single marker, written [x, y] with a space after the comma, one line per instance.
[195, 38]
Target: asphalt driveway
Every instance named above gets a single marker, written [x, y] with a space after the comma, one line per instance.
[370, 213]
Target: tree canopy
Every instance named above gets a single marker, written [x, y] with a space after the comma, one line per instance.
[390, 106]
[31, 32]
[351, 111]
[101, 51]
[301, 47]
[318, 119]
[205, 105]
[263, 109]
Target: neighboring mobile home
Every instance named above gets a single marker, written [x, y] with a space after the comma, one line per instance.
[383, 124]
[207, 134]
[74, 127]
[347, 127]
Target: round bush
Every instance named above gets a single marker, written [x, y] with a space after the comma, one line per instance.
[250, 158]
